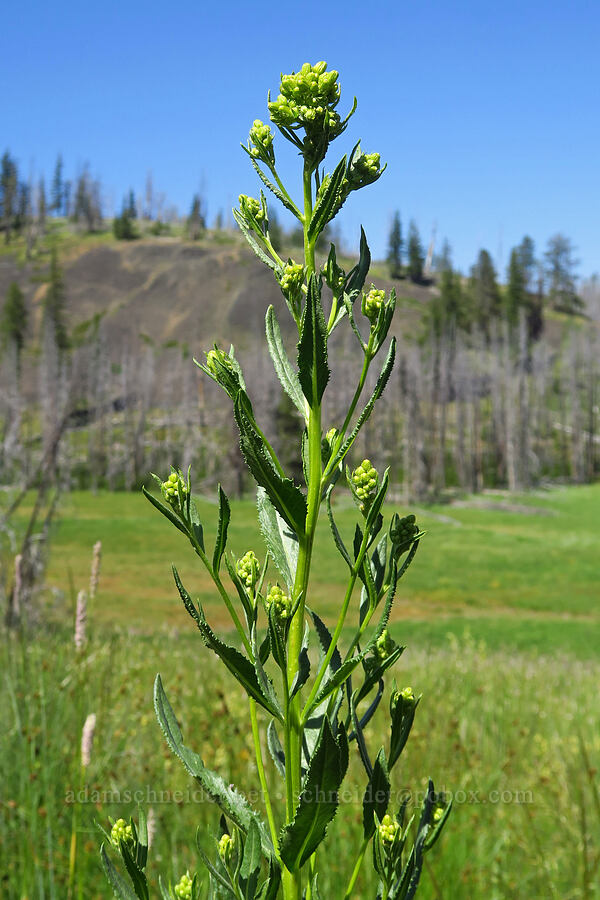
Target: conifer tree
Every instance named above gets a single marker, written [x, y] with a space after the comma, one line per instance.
[516, 297]
[484, 292]
[560, 274]
[54, 303]
[14, 318]
[416, 257]
[57, 193]
[8, 195]
[41, 203]
[394, 257]
[196, 222]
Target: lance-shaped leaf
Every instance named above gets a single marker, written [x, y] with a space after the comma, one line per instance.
[238, 664]
[303, 671]
[270, 887]
[282, 365]
[264, 682]
[378, 391]
[137, 876]
[271, 186]
[253, 239]
[250, 864]
[335, 532]
[402, 714]
[318, 801]
[313, 371]
[356, 276]
[221, 539]
[377, 795]
[329, 200]
[287, 499]
[247, 604]
[275, 748]
[281, 542]
[165, 510]
[120, 888]
[224, 795]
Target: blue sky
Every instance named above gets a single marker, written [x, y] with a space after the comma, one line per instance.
[487, 114]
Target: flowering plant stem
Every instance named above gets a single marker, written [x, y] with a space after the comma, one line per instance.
[311, 724]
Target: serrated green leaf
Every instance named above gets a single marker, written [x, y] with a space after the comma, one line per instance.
[287, 499]
[271, 186]
[281, 542]
[337, 680]
[238, 664]
[277, 640]
[329, 201]
[250, 865]
[402, 716]
[224, 795]
[335, 532]
[377, 795]
[378, 391]
[303, 671]
[252, 240]
[275, 748]
[357, 275]
[313, 371]
[165, 510]
[282, 365]
[221, 539]
[318, 801]
[119, 886]
[138, 879]
[142, 839]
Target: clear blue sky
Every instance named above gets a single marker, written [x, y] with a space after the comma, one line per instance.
[487, 113]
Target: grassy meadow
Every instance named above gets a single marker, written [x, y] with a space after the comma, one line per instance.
[500, 615]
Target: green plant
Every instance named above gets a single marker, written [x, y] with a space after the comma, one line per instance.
[314, 709]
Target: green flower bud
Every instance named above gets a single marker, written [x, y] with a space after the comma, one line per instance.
[282, 604]
[406, 695]
[365, 482]
[174, 489]
[121, 832]
[251, 208]
[438, 814]
[372, 303]
[183, 888]
[292, 278]
[403, 531]
[248, 569]
[260, 141]
[225, 848]
[388, 828]
[384, 646]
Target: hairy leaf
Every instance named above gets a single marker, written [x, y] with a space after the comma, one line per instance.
[281, 542]
[282, 365]
[313, 371]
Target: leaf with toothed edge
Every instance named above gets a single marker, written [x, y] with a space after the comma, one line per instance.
[282, 365]
[313, 370]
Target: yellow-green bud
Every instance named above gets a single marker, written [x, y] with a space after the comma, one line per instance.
[384, 646]
[282, 604]
[438, 814]
[292, 278]
[248, 569]
[388, 829]
[225, 848]
[372, 303]
[252, 207]
[183, 888]
[365, 481]
[121, 832]
[172, 491]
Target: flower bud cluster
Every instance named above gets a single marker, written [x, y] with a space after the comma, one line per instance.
[407, 695]
[121, 832]
[292, 278]
[173, 489]
[384, 646]
[260, 142]
[365, 481]
[225, 848]
[251, 208]
[183, 888]
[216, 358]
[308, 99]
[248, 569]
[281, 603]
[438, 814]
[364, 169]
[403, 531]
[388, 829]
[372, 303]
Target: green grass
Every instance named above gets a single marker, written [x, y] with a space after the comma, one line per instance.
[499, 614]
[486, 569]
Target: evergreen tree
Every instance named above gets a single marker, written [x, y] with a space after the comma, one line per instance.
[87, 206]
[41, 203]
[14, 317]
[526, 251]
[560, 275]
[54, 303]
[516, 295]
[8, 194]
[131, 205]
[484, 293]
[123, 227]
[394, 257]
[196, 222]
[57, 193]
[415, 254]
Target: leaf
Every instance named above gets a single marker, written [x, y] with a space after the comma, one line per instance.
[238, 664]
[377, 795]
[378, 391]
[357, 275]
[225, 796]
[120, 888]
[272, 187]
[277, 640]
[223, 880]
[303, 671]
[275, 748]
[264, 681]
[318, 801]
[221, 539]
[252, 240]
[329, 202]
[142, 839]
[324, 636]
[281, 542]
[138, 879]
[337, 679]
[402, 714]
[270, 887]
[313, 371]
[287, 499]
[334, 530]
[249, 610]
[250, 865]
[165, 510]
[282, 365]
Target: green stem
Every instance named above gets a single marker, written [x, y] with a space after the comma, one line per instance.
[356, 870]
[261, 775]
